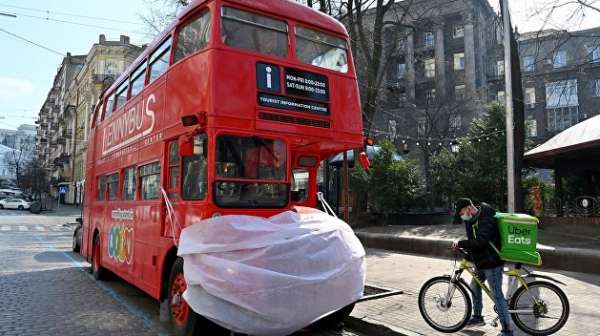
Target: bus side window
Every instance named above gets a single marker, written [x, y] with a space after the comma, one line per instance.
[138, 79]
[109, 106]
[173, 186]
[121, 96]
[101, 188]
[193, 36]
[194, 184]
[129, 184]
[299, 185]
[159, 60]
[150, 181]
[113, 186]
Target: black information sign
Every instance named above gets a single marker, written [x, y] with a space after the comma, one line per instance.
[292, 104]
[306, 84]
[267, 77]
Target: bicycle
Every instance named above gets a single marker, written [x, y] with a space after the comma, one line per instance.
[529, 306]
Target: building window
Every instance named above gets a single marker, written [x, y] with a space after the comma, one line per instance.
[459, 91]
[562, 118]
[459, 31]
[430, 68]
[596, 88]
[150, 181]
[530, 97]
[459, 61]
[561, 94]
[455, 123]
[421, 127]
[113, 186]
[401, 71]
[428, 40]
[595, 53]
[528, 63]
[531, 128]
[193, 36]
[430, 98]
[129, 184]
[560, 59]
[500, 68]
[501, 98]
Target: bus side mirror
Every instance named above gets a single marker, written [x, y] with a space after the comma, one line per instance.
[194, 119]
[186, 145]
[363, 159]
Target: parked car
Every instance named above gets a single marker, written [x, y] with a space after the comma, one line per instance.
[14, 203]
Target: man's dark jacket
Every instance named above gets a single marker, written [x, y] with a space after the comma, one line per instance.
[480, 232]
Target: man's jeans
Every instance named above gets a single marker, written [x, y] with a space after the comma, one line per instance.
[494, 279]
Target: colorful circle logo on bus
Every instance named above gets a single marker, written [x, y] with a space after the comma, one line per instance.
[120, 243]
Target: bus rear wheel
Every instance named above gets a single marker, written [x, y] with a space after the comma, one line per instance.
[183, 319]
[97, 269]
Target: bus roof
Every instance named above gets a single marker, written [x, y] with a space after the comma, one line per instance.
[283, 8]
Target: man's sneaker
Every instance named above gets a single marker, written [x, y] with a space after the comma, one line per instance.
[476, 321]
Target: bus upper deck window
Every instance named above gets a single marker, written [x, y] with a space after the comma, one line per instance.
[138, 79]
[121, 96]
[322, 50]
[159, 60]
[193, 36]
[246, 30]
[109, 106]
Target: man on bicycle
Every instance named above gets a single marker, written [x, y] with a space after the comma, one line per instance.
[482, 231]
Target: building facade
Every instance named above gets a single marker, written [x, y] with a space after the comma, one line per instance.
[64, 151]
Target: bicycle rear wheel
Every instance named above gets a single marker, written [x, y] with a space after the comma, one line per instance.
[540, 309]
[441, 315]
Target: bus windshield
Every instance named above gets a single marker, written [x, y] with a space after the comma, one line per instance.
[251, 172]
[321, 50]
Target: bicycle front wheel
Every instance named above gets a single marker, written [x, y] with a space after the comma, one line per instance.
[444, 305]
[540, 309]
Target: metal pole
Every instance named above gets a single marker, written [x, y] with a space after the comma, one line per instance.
[510, 147]
[345, 187]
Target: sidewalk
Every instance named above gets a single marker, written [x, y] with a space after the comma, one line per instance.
[399, 315]
[560, 251]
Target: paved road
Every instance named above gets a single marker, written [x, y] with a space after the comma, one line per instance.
[47, 290]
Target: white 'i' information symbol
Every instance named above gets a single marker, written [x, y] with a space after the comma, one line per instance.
[269, 80]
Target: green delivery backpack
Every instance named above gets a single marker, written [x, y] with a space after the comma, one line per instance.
[518, 233]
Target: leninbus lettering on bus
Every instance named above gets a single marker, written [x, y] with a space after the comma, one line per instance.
[129, 127]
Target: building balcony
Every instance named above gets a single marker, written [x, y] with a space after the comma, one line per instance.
[69, 109]
[103, 78]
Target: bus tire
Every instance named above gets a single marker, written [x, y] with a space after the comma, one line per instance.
[97, 270]
[182, 317]
[76, 246]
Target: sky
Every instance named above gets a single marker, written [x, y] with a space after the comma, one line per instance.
[27, 71]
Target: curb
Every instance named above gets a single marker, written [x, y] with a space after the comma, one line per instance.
[565, 259]
[369, 326]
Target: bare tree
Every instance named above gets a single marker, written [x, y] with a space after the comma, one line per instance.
[19, 157]
[161, 13]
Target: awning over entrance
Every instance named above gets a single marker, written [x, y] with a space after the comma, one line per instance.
[579, 142]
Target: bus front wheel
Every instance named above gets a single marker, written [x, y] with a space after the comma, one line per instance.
[183, 319]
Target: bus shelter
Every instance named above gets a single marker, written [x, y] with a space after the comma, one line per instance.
[574, 155]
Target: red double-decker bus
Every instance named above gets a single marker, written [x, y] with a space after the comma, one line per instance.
[214, 118]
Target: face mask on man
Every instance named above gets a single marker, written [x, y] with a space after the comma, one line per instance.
[466, 217]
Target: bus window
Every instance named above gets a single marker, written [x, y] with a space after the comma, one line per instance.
[193, 36]
[101, 188]
[173, 167]
[113, 186]
[138, 79]
[121, 96]
[321, 50]
[129, 183]
[159, 60]
[246, 30]
[98, 114]
[109, 106]
[194, 171]
[150, 181]
[252, 159]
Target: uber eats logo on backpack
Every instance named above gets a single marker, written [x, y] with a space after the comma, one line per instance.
[519, 236]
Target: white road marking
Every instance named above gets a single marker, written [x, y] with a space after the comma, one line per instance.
[23, 228]
[40, 228]
[6, 228]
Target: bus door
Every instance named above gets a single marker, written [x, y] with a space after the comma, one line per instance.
[304, 181]
[186, 183]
